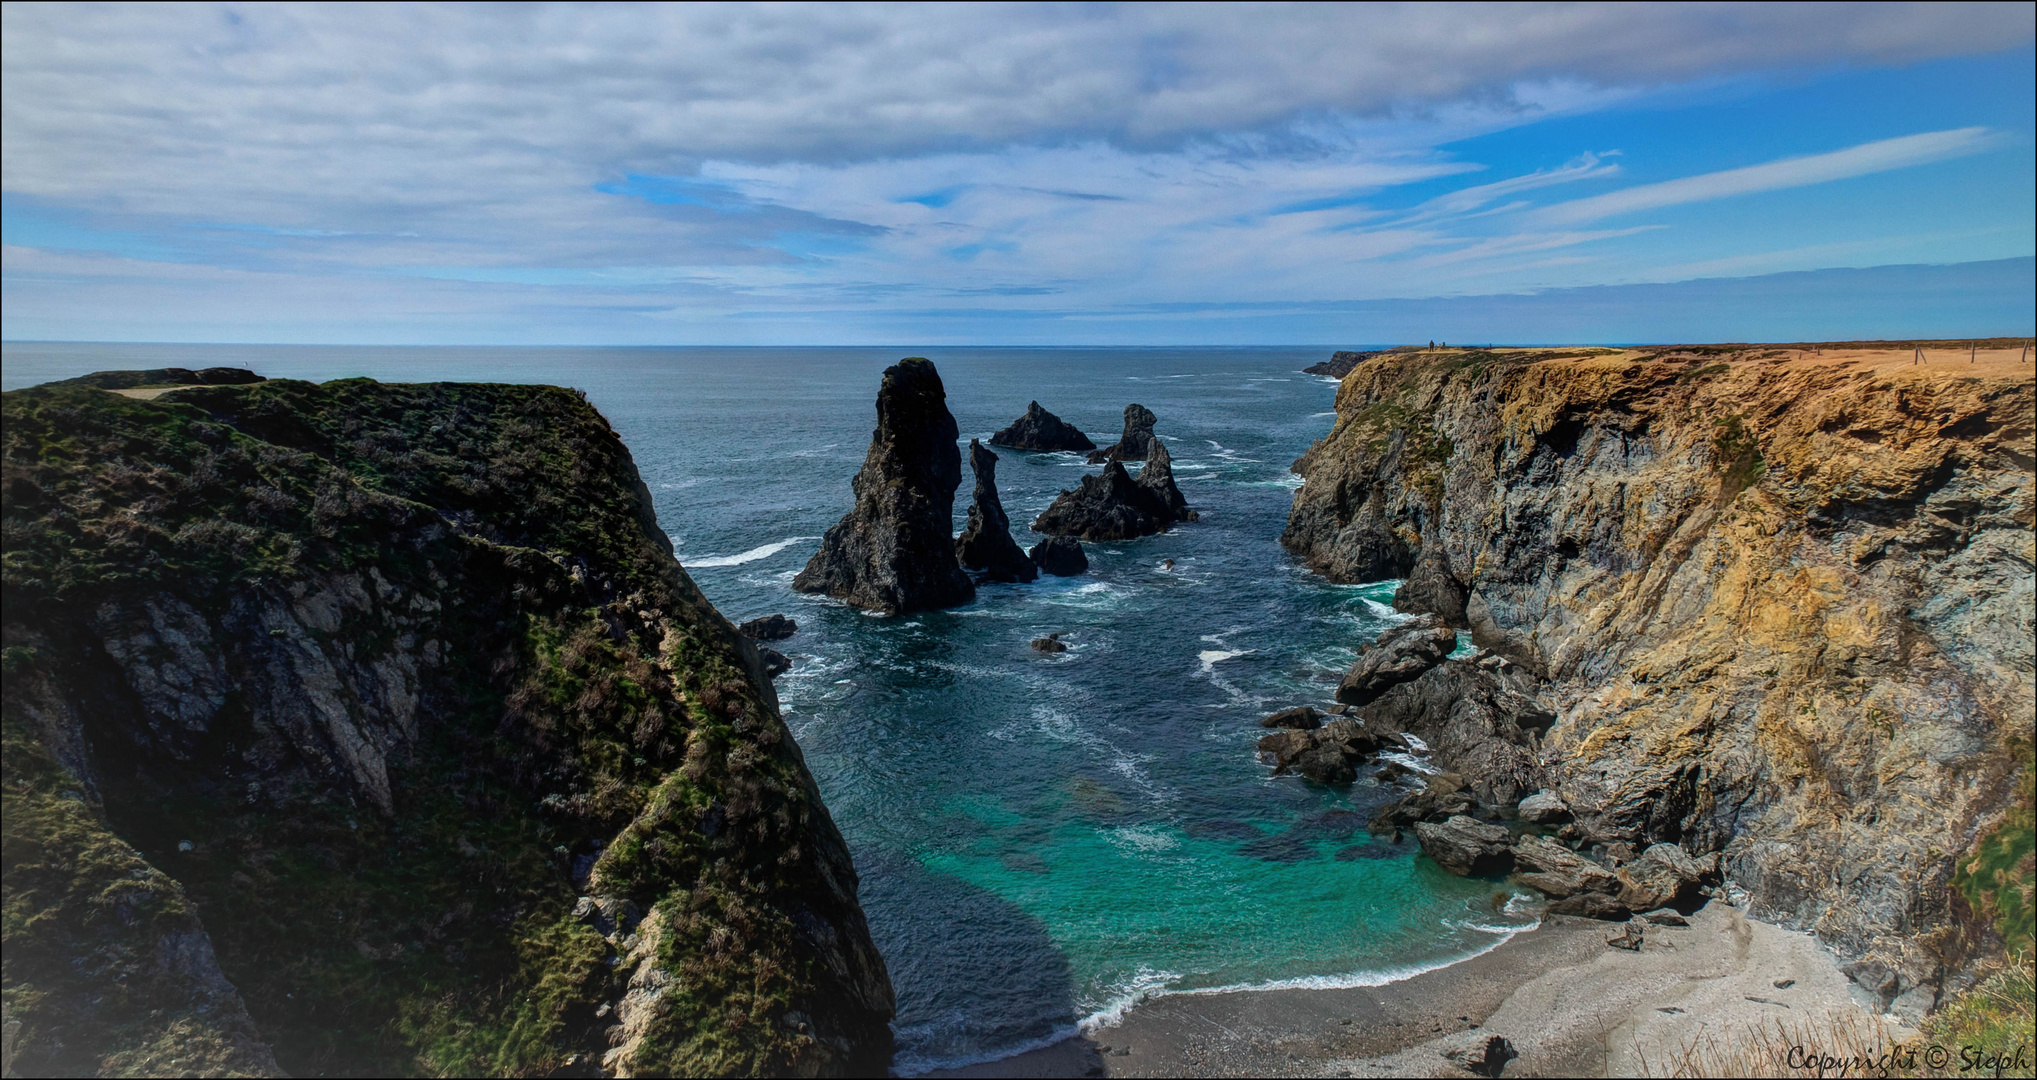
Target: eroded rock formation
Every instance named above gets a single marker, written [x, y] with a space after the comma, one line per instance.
[1060, 556]
[1039, 429]
[986, 544]
[1137, 440]
[1114, 506]
[374, 729]
[895, 551]
[1779, 605]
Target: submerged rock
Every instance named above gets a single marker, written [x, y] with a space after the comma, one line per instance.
[1052, 643]
[895, 552]
[769, 628]
[1039, 429]
[1466, 847]
[1135, 443]
[1114, 506]
[1401, 654]
[986, 543]
[1060, 556]
[775, 663]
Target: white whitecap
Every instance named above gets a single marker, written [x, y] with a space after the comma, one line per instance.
[1409, 761]
[1212, 657]
[755, 554]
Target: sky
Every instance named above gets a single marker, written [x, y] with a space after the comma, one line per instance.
[1016, 174]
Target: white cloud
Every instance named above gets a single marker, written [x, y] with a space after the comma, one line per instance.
[1793, 172]
[1061, 155]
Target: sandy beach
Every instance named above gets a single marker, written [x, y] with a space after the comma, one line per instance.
[1570, 1005]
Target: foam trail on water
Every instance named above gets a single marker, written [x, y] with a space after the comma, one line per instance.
[753, 555]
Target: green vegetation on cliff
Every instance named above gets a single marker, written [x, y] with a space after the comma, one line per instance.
[398, 690]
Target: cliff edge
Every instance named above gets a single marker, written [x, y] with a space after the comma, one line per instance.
[374, 729]
[1782, 598]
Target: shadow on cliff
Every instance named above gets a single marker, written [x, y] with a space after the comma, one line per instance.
[976, 976]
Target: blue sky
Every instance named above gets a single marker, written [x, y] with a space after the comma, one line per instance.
[1033, 175]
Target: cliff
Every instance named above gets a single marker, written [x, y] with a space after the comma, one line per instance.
[1782, 599]
[374, 729]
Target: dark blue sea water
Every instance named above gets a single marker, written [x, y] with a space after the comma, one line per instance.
[1042, 839]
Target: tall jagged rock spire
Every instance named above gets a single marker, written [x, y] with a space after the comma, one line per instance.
[986, 543]
[895, 551]
[1136, 443]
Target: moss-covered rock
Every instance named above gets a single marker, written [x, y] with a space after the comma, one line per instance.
[399, 691]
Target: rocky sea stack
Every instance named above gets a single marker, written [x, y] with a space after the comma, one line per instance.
[986, 543]
[1039, 429]
[1059, 556]
[895, 551]
[1114, 506]
[373, 729]
[1135, 443]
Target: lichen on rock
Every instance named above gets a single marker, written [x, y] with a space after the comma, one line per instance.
[1779, 603]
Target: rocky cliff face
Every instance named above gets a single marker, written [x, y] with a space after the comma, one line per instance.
[1782, 600]
[895, 550]
[374, 729]
[986, 543]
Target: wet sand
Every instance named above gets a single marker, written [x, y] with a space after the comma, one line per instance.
[1571, 1006]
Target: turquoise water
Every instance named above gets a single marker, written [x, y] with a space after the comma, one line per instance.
[1042, 839]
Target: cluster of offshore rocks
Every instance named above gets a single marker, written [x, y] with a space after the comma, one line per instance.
[1461, 738]
[894, 551]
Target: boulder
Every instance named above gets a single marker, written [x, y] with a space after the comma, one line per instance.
[1135, 443]
[1466, 847]
[1402, 654]
[1052, 643]
[1629, 939]
[769, 628]
[1442, 797]
[1107, 506]
[1672, 917]
[895, 551]
[986, 543]
[775, 663]
[1480, 1054]
[1060, 556]
[1327, 755]
[1432, 588]
[1303, 717]
[1039, 429]
[1543, 808]
[1663, 876]
[1560, 872]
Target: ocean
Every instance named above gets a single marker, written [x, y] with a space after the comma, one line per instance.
[1042, 839]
